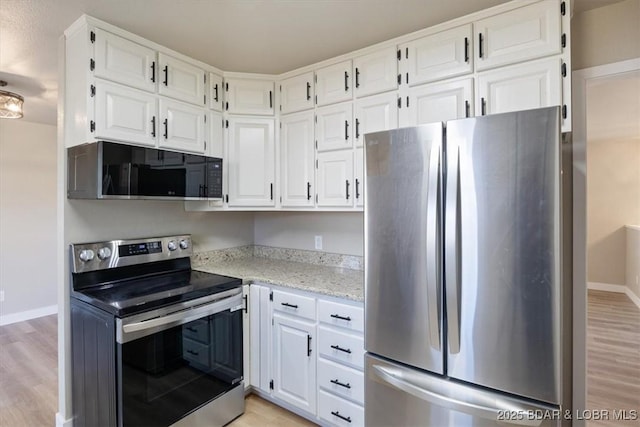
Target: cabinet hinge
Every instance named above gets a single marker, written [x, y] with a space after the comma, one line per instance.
[399, 102]
[280, 107]
[399, 79]
[315, 118]
[399, 55]
[563, 8]
[316, 198]
[205, 146]
[280, 88]
[92, 126]
[316, 144]
[315, 77]
[564, 69]
[92, 64]
[271, 296]
[271, 385]
[564, 111]
[205, 118]
[93, 90]
[316, 160]
[92, 37]
[280, 125]
[280, 199]
[563, 40]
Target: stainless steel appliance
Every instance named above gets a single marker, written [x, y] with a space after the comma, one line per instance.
[468, 273]
[106, 170]
[154, 343]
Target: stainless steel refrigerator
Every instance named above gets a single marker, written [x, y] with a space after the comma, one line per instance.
[468, 273]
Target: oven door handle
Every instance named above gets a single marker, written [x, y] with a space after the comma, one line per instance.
[132, 331]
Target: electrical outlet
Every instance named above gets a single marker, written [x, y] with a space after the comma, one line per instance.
[1, 296]
[318, 241]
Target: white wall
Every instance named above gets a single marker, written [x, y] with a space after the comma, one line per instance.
[27, 218]
[633, 259]
[342, 232]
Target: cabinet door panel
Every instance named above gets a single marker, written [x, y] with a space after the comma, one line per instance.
[216, 91]
[520, 87]
[522, 34]
[251, 162]
[123, 61]
[335, 178]
[439, 102]
[376, 72]
[375, 113]
[334, 83]
[125, 114]
[295, 362]
[182, 126]
[181, 80]
[249, 97]
[439, 56]
[296, 93]
[333, 128]
[215, 145]
[296, 163]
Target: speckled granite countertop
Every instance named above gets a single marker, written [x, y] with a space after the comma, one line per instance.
[321, 279]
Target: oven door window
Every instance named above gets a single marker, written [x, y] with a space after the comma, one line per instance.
[169, 374]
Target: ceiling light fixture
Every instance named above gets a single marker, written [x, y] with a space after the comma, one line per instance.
[10, 104]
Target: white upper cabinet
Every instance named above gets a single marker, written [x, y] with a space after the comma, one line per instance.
[251, 162]
[375, 113]
[125, 114]
[438, 102]
[216, 90]
[333, 127]
[123, 61]
[296, 159]
[334, 83]
[249, 97]
[181, 126]
[376, 72]
[358, 177]
[335, 178]
[215, 145]
[521, 34]
[437, 56]
[520, 87]
[181, 80]
[296, 93]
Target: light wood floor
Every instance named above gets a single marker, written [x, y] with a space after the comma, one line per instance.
[28, 369]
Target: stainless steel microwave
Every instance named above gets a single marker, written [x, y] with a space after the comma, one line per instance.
[107, 170]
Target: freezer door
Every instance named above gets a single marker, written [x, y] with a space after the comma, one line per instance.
[502, 252]
[398, 396]
[403, 292]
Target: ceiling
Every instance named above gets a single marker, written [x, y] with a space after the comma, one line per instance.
[259, 36]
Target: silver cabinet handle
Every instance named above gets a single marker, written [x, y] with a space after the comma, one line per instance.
[433, 227]
[452, 254]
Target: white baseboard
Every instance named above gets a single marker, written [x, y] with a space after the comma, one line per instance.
[621, 289]
[7, 319]
[61, 422]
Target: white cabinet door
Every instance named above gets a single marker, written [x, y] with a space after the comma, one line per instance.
[294, 359]
[246, 337]
[334, 83]
[335, 178]
[125, 114]
[520, 87]
[123, 61]
[215, 145]
[260, 336]
[181, 80]
[438, 56]
[376, 72]
[358, 177]
[296, 159]
[375, 113]
[216, 90]
[181, 126]
[251, 162]
[521, 34]
[249, 96]
[333, 127]
[296, 93]
[438, 102]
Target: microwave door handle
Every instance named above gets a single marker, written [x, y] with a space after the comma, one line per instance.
[452, 250]
[474, 402]
[433, 219]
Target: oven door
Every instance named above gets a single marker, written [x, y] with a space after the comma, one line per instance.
[171, 365]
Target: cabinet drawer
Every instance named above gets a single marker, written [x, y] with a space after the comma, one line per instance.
[195, 352]
[338, 411]
[341, 347]
[197, 330]
[340, 380]
[342, 315]
[297, 305]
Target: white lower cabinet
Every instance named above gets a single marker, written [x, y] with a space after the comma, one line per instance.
[339, 412]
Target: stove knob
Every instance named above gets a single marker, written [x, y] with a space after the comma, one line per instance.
[104, 253]
[172, 246]
[184, 244]
[86, 255]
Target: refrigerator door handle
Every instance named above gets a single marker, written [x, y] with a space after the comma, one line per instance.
[452, 253]
[473, 402]
[433, 288]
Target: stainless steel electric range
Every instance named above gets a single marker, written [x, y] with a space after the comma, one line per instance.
[154, 343]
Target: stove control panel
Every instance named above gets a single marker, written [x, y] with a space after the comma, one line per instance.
[119, 253]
